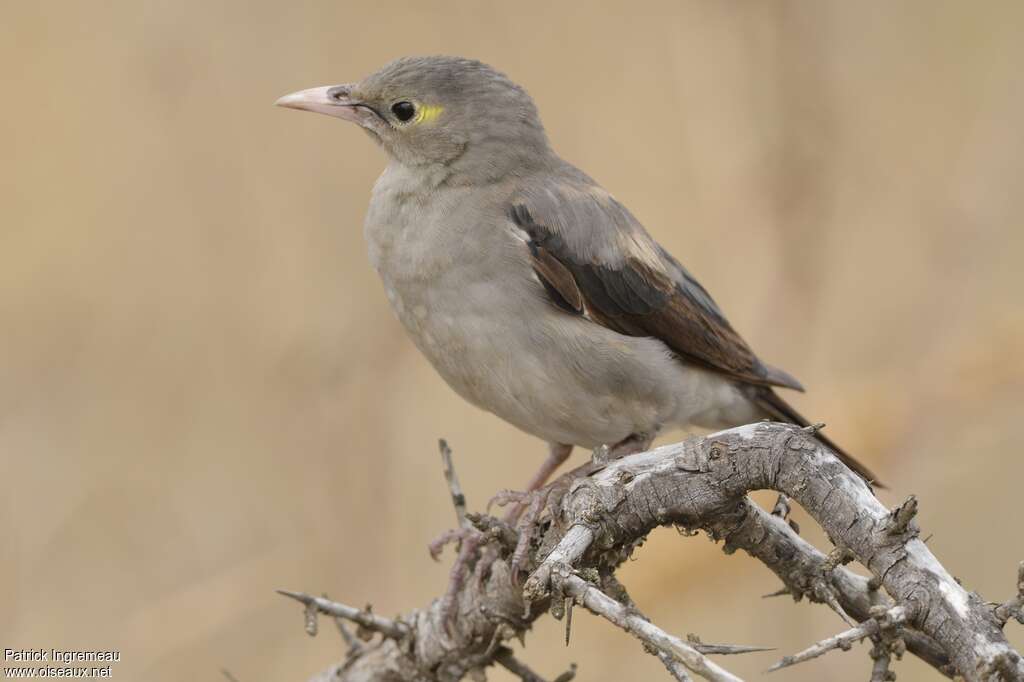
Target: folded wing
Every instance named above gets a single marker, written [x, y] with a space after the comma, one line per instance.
[596, 260]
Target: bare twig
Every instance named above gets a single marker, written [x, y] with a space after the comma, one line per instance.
[596, 601]
[891, 618]
[392, 629]
[458, 498]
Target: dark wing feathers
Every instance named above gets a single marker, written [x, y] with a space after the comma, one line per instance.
[610, 269]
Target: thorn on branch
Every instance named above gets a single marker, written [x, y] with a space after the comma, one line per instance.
[890, 618]
[568, 619]
[724, 649]
[813, 428]
[392, 629]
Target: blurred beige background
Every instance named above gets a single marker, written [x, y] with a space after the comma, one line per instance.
[204, 396]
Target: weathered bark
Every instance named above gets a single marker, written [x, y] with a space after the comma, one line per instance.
[702, 483]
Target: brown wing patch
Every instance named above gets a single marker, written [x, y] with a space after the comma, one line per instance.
[557, 280]
[638, 299]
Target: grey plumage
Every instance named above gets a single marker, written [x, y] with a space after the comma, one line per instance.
[533, 292]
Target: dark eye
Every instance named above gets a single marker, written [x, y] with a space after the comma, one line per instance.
[403, 111]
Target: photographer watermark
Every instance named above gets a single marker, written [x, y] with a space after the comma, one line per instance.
[63, 663]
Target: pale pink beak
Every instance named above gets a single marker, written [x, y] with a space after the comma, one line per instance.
[333, 100]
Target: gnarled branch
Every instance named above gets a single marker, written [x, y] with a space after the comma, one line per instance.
[600, 514]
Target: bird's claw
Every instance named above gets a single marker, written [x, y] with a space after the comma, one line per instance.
[450, 536]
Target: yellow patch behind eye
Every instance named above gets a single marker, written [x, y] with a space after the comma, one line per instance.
[428, 113]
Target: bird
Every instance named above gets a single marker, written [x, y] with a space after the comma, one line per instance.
[534, 293]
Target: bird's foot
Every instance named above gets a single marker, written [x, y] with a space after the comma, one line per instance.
[525, 511]
[451, 536]
[468, 542]
[503, 498]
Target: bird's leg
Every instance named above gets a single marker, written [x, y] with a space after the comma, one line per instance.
[557, 454]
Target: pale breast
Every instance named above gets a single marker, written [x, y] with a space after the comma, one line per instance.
[443, 258]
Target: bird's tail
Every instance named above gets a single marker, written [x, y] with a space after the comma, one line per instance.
[778, 409]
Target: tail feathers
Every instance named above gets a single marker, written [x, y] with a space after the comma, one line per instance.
[777, 408]
[780, 377]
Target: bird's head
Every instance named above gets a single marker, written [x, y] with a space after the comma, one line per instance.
[448, 111]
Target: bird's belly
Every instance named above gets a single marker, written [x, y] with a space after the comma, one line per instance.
[558, 377]
[467, 346]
